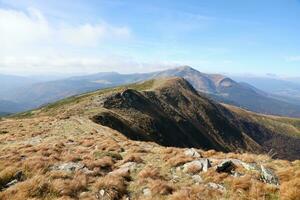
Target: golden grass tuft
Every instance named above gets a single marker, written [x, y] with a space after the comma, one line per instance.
[160, 187]
[70, 187]
[114, 186]
[150, 172]
[290, 190]
[179, 159]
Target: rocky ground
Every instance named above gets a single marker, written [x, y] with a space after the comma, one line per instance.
[74, 158]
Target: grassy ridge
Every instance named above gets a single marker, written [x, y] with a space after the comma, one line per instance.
[284, 125]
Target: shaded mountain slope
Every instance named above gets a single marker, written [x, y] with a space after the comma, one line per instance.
[170, 112]
[174, 114]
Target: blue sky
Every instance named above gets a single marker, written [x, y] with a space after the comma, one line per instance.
[217, 36]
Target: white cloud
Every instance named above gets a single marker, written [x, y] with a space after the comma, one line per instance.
[29, 42]
[31, 27]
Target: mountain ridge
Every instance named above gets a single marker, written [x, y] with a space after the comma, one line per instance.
[218, 87]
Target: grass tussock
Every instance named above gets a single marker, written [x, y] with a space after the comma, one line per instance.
[150, 172]
[161, 187]
[113, 186]
[177, 159]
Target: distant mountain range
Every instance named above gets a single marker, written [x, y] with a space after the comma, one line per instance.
[283, 89]
[218, 87]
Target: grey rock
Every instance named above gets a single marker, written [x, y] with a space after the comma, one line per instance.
[192, 153]
[147, 192]
[68, 167]
[197, 179]
[268, 176]
[124, 172]
[205, 163]
[216, 186]
[194, 164]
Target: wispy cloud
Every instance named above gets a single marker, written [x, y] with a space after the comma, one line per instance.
[292, 58]
[30, 28]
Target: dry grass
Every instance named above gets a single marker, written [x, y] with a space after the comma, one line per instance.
[178, 159]
[37, 187]
[150, 172]
[290, 190]
[135, 157]
[7, 175]
[195, 192]
[114, 186]
[70, 187]
[160, 187]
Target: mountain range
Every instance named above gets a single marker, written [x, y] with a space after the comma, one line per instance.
[215, 86]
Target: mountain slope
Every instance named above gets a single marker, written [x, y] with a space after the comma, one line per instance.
[171, 112]
[218, 87]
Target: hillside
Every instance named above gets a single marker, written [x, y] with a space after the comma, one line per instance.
[59, 152]
[218, 87]
[172, 113]
[284, 125]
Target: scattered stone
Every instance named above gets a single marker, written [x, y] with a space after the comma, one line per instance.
[130, 165]
[205, 163]
[216, 186]
[192, 153]
[124, 172]
[19, 176]
[250, 166]
[237, 174]
[193, 167]
[226, 166]
[69, 167]
[268, 176]
[102, 192]
[197, 179]
[13, 182]
[33, 141]
[147, 192]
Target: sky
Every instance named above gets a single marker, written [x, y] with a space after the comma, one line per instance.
[255, 37]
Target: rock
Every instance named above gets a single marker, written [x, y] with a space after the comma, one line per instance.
[201, 164]
[237, 174]
[226, 166]
[197, 179]
[13, 182]
[147, 192]
[102, 192]
[192, 153]
[205, 163]
[130, 165]
[68, 167]
[19, 176]
[123, 172]
[193, 167]
[250, 166]
[216, 186]
[268, 176]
